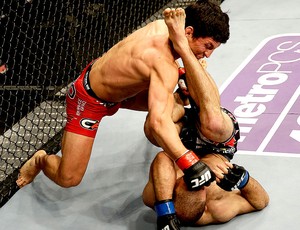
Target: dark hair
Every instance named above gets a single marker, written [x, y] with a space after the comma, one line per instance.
[208, 20]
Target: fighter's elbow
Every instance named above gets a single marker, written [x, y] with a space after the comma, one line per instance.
[264, 202]
[154, 124]
[151, 129]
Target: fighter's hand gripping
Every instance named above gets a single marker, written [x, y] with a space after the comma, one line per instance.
[236, 178]
[196, 173]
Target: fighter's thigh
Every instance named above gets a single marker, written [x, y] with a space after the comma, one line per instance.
[76, 152]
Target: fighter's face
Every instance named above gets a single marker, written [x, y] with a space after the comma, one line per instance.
[203, 47]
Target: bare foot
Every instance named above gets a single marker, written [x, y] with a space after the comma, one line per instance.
[30, 169]
[175, 21]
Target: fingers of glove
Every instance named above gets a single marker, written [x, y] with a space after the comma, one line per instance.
[238, 168]
[225, 185]
[229, 164]
[222, 170]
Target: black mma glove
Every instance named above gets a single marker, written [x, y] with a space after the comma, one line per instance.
[168, 222]
[166, 216]
[188, 134]
[236, 178]
[196, 173]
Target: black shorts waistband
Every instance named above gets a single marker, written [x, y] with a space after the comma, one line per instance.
[87, 87]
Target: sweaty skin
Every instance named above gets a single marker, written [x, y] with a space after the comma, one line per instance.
[220, 206]
[217, 125]
[126, 69]
[165, 179]
[30, 169]
[140, 72]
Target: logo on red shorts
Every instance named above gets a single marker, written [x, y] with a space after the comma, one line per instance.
[89, 124]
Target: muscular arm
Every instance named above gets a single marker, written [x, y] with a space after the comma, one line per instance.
[251, 198]
[159, 123]
[216, 124]
[222, 206]
[255, 194]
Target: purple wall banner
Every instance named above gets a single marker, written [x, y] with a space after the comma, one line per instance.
[264, 95]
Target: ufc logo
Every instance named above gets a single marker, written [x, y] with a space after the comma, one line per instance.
[204, 178]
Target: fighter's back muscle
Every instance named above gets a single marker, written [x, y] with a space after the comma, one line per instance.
[125, 69]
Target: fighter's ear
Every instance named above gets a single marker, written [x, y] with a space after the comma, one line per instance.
[189, 31]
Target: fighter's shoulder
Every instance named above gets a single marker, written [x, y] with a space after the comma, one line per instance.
[158, 55]
[205, 219]
[222, 206]
[158, 25]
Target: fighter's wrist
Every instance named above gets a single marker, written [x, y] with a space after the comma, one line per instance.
[187, 159]
[164, 207]
[244, 180]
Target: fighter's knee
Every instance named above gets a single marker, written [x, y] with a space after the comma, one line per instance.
[216, 129]
[67, 180]
[211, 125]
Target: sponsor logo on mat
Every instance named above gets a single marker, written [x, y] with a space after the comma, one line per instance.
[264, 95]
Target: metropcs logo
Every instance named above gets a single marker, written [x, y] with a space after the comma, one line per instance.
[264, 95]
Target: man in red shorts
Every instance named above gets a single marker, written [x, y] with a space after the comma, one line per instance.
[171, 193]
[207, 130]
[139, 73]
[166, 178]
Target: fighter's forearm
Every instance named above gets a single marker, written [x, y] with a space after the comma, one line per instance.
[255, 194]
[160, 127]
[166, 136]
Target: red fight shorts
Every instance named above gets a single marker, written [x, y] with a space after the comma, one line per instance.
[84, 109]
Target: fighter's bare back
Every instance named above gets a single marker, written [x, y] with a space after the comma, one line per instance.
[125, 69]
